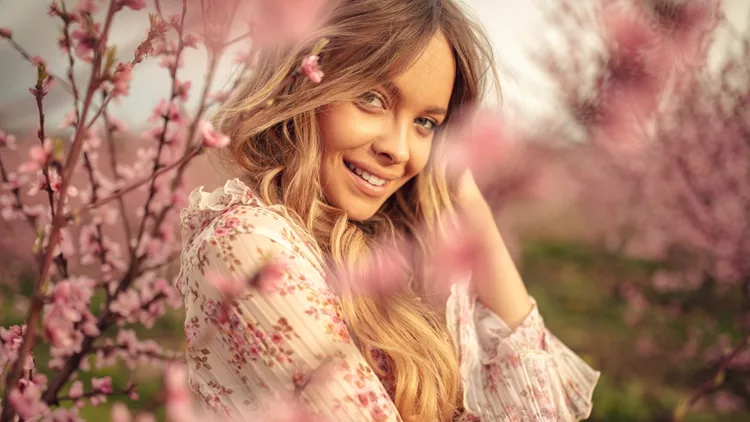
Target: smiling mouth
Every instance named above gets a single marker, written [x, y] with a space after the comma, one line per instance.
[367, 177]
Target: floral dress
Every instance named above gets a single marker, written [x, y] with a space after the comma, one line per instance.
[247, 357]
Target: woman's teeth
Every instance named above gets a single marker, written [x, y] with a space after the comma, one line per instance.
[370, 178]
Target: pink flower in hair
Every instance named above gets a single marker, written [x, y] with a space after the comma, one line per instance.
[311, 69]
[212, 138]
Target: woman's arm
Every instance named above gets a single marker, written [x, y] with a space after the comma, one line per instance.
[495, 277]
[512, 367]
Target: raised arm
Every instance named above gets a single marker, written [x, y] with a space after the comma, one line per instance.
[513, 368]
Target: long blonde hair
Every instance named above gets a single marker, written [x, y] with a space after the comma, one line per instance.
[278, 150]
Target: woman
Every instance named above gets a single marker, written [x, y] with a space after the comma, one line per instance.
[327, 171]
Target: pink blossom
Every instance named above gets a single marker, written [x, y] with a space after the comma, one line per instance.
[6, 33]
[686, 28]
[69, 121]
[27, 400]
[120, 413]
[126, 303]
[178, 396]
[86, 7]
[117, 125]
[283, 22]
[7, 141]
[121, 79]
[229, 286]
[311, 69]
[76, 390]
[38, 61]
[133, 4]
[62, 414]
[190, 41]
[270, 275]
[212, 138]
[166, 110]
[103, 385]
[54, 9]
[12, 338]
[72, 297]
[181, 89]
[85, 40]
[48, 83]
[637, 71]
[171, 63]
[456, 255]
[481, 143]
[219, 96]
[39, 156]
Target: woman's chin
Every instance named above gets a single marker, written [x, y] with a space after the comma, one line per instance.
[358, 213]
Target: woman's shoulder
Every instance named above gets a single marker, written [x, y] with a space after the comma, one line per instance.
[234, 211]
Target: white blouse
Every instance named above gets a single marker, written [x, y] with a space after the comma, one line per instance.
[275, 344]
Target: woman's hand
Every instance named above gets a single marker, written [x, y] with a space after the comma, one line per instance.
[468, 192]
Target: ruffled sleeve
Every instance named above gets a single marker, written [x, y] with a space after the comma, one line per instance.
[247, 355]
[525, 374]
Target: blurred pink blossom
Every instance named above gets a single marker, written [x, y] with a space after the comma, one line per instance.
[76, 389]
[121, 79]
[212, 138]
[284, 21]
[133, 4]
[38, 157]
[7, 141]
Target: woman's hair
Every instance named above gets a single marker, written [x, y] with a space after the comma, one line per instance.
[278, 151]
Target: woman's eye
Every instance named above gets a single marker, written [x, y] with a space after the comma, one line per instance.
[426, 123]
[372, 99]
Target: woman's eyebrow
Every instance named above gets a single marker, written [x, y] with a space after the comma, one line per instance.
[393, 90]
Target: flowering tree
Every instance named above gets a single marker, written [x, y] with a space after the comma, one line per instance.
[666, 172]
[78, 316]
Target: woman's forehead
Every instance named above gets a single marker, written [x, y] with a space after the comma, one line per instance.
[428, 82]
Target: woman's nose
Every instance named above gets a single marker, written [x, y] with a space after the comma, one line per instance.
[393, 147]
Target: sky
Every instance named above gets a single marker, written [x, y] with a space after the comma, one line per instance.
[517, 29]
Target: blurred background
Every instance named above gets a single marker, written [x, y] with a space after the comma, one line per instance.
[587, 280]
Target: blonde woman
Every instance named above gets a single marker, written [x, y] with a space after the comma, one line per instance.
[328, 171]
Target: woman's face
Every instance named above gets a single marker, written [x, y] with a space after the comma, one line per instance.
[374, 144]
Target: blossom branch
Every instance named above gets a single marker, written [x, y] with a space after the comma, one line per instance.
[166, 118]
[39, 287]
[714, 382]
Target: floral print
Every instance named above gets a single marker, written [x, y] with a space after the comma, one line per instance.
[293, 342]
